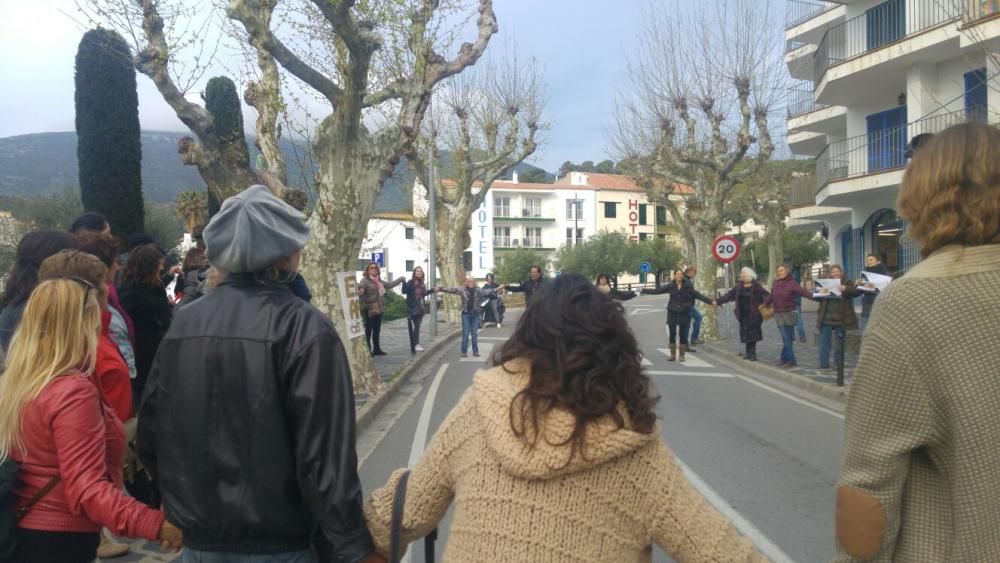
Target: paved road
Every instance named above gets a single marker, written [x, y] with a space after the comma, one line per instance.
[764, 454]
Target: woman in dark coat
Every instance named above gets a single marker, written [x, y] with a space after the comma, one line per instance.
[415, 291]
[144, 298]
[603, 284]
[748, 295]
[682, 296]
[836, 315]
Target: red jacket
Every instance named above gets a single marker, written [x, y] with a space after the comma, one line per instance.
[71, 431]
[783, 292]
[112, 373]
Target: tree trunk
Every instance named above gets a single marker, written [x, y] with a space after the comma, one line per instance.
[224, 174]
[347, 186]
[706, 282]
[451, 248]
[775, 246]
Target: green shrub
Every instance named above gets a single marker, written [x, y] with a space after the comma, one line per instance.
[395, 307]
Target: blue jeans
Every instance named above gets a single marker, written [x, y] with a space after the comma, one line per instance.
[189, 555]
[800, 326]
[787, 343]
[470, 326]
[826, 333]
[696, 324]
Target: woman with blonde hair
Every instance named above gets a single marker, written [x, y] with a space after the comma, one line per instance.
[63, 435]
[919, 480]
[555, 453]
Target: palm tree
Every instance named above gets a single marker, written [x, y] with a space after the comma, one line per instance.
[192, 209]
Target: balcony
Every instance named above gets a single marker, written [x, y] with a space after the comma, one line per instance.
[514, 243]
[886, 24]
[884, 150]
[798, 12]
[976, 10]
[802, 191]
[801, 102]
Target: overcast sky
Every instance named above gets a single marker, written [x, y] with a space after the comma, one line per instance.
[580, 45]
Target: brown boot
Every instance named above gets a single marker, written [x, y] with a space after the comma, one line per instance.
[683, 349]
[673, 353]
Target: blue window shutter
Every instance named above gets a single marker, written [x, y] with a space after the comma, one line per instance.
[976, 94]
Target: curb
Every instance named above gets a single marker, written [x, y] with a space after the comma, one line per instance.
[802, 382]
[374, 406]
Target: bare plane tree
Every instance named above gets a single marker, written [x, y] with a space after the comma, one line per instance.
[705, 80]
[362, 60]
[489, 120]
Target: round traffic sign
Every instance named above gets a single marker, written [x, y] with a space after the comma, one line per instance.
[645, 267]
[726, 249]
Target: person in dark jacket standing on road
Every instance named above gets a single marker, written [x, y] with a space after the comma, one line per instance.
[689, 274]
[471, 305]
[248, 418]
[836, 315]
[749, 295]
[682, 296]
[784, 290]
[874, 265]
[528, 287]
[415, 291]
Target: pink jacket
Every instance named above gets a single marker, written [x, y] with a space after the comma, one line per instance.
[70, 430]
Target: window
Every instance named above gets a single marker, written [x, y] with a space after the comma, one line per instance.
[610, 209]
[410, 264]
[409, 234]
[975, 95]
[501, 237]
[501, 207]
[642, 214]
[887, 139]
[662, 237]
[886, 23]
[532, 207]
[661, 215]
[533, 237]
[467, 260]
[643, 236]
[574, 209]
[569, 236]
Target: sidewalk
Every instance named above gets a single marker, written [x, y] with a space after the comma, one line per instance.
[395, 341]
[769, 350]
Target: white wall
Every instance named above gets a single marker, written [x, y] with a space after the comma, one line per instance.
[587, 220]
[390, 235]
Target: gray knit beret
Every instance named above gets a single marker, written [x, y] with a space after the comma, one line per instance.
[253, 230]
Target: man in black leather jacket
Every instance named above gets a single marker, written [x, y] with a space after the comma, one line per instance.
[248, 419]
[529, 286]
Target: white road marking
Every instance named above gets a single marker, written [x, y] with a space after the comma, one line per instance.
[504, 338]
[693, 373]
[752, 381]
[424, 422]
[646, 362]
[689, 360]
[762, 542]
[640, 310]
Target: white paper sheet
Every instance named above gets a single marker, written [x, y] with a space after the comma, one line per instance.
[878, 280]
[829, 284]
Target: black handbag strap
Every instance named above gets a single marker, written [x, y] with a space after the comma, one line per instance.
[24, 510]
[398, 502]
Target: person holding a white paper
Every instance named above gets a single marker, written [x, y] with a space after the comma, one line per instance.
[836, 312]
[874, 265]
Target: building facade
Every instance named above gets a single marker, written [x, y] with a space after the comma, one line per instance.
[874, 74]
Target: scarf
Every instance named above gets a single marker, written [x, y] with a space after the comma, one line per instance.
[605, 289]
[379, 286]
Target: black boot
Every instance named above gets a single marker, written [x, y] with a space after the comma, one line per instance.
[752, 351]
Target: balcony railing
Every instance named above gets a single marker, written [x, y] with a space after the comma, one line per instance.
[801, 102]
[882, 25]
[799, 11]
[802, 191]
[885, 149]
[979, 9]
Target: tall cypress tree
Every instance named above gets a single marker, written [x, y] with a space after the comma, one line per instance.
[107, 129]
[223, 102]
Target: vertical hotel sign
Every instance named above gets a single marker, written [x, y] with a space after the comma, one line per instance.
[633, 219]
[348, 285]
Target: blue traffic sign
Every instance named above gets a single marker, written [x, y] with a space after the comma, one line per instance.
[379, 258]
[645, 267]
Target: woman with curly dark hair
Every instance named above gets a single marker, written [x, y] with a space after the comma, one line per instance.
[145, 299]
[555, 453]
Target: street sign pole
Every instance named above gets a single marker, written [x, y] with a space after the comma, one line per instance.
[432, 212]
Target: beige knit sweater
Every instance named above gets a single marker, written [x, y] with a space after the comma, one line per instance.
[921, 474]
[518, 504]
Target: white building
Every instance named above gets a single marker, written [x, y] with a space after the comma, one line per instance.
[404, 244]
[874, 75]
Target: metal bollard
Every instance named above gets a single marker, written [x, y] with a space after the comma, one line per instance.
[840, 357]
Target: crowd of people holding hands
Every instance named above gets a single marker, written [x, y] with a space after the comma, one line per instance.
[239, 408]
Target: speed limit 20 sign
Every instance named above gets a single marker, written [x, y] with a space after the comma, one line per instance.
[726, 249]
